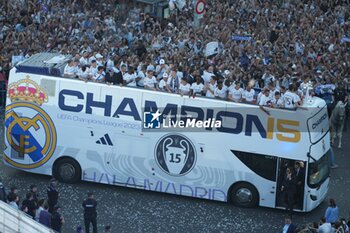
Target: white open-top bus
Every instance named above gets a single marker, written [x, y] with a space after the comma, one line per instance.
[110, 134]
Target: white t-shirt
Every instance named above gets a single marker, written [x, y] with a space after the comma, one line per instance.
[142, 76]
[207, 76]
[236, 94]
[249, 95]
[278, 103]
[197, 88]
[162, 84]
[264, 100]
[130, 79]
[70, 70]
[84, 61]
[149, 82]
[212, 88]
[184, 89]
[290, 99]
[84, 74]
[93, 70]
[99, 76]
[221, 93]
[272, 93]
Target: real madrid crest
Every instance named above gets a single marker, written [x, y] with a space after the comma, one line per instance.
[30, 132]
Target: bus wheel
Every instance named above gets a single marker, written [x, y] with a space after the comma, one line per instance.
[67, 170]
[244, 195]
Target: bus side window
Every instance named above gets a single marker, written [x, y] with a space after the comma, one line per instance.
[263, 165]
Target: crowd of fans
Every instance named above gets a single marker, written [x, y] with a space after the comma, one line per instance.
[331, 222]
[46, 210]
[278, 47]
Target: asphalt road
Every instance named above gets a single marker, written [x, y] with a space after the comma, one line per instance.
[130, 210]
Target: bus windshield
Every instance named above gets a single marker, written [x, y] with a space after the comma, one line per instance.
[319, 170]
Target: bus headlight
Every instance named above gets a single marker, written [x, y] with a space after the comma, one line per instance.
[313, 197]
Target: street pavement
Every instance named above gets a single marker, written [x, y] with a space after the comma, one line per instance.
[131, 210]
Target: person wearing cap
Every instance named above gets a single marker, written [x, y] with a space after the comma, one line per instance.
[150, 81]
[52, 195]
[161, 68]
[90, 213]
[99, 59]
[197, 88]
[163, 85]
[57, 220]
[84, 60]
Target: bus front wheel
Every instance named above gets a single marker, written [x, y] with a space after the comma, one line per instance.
[67, 170]
[244, 195]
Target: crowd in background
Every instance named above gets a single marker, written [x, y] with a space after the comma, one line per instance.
[274, 46]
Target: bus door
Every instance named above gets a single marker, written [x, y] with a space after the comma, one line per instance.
[128, 160]
[290, 189]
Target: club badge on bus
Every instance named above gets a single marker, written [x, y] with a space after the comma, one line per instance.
[29, 129]
[175, 154]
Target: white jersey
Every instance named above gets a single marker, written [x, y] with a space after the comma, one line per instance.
[278, 103]
[84, 61]
[264, 100]
[149, 82]
[142, 76]
[184, 89]
[84, 74]
[236, 94]
[162, 84]
[290, 99]
[93, 70]
[99, 76]
[272, 93]
[197, 88]
[210, 93]
[70, 70]
[130, 79]
[249, 95]
[207, 76]
[221, 93]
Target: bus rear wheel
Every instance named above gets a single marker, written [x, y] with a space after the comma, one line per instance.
[244, 195]
[67, 170]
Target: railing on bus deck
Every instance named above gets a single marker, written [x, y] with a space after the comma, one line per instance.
[257, 91]
[16, 221]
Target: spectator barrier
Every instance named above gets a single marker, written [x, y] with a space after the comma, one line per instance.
[16, 221]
